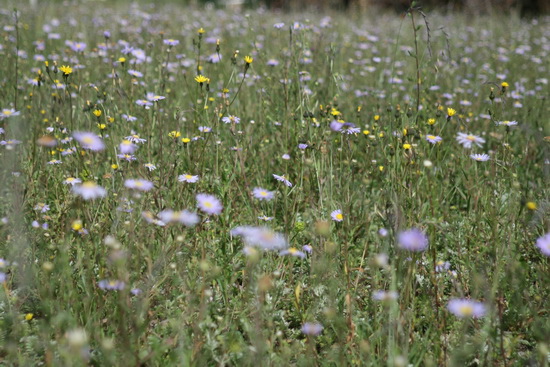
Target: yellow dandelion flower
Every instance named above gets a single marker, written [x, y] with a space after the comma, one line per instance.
[451, 112]
[431, 121]
[97, 113]
[76, 225]
[531, 205]
[66, 70]
[201, 79]
[201, 30]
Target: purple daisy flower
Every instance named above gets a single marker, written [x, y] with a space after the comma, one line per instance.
[89, 190]
[462, 308]
[543, 243]
[412, 240]
[89, 140]
[209, 204]
[312, 329]
[263, 194]
[139, 184]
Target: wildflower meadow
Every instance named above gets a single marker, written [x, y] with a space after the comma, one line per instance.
[185, 186]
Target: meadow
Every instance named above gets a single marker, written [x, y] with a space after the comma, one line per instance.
[208, 187]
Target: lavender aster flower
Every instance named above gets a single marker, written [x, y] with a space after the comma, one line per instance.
[462, 308]
[412, 240]
[263, 194]
[312, 329]
[283, 179]
[292, 251]
[467, 140]
[209, 204]
[127, 147]
[89, 140]
[337, 215]
[89, 190]
[139, 184]
[111, 285]
[433, 139]
[384, 296]
[543, 243]
[480, 157]
[188, 178]
[231, 119]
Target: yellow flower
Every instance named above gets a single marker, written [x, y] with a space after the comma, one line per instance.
[366, 132]
[376, 117]
[29, 316]
[381, 168]
[531, 205]
[201, 30]
[185, 140]
[122, 60]
[76, 225]
[248, 59]
[102, 126]
[407, 146]
[201, 79]
[114, 166]
[97, 113]
[66, 70]
[431, 121]
[504, 85]
[335, 112]
[451, 112]
[174, 134]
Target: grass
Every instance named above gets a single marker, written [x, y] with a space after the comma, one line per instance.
[198, 295]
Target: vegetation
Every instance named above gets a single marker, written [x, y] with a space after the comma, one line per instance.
[184, 186]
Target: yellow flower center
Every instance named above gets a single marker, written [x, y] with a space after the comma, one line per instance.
[466, 310]
[339, 216]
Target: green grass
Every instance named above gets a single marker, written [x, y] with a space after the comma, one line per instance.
[202, 300]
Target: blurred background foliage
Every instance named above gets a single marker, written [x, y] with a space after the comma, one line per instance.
[475, 7]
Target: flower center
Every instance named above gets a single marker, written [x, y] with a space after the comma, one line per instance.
[466, 310]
